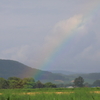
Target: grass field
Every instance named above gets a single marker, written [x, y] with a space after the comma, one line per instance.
[51, 94]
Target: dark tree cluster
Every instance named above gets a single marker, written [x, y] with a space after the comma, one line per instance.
[18, 83]
[79, 82]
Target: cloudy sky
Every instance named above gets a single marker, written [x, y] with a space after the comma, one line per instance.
[51, 34]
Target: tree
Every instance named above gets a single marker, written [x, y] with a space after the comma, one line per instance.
[49, 85]
[29, 83]
[39, 84]
[15, 82]
[3, 83]
[79, 81]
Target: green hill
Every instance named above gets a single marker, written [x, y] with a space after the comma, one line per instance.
[90, 77]
[9, 68]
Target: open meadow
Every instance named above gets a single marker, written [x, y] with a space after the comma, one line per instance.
[50, 94]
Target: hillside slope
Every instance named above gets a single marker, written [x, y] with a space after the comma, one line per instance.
[63, 72]
[10, 68]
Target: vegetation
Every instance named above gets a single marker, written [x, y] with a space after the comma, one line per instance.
[79, 82]
[25, 83]
[50, 94]
[15, 88]
[9, 68]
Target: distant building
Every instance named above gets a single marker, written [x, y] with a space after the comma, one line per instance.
[69, 87]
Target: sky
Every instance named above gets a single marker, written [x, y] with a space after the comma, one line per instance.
[51, 34]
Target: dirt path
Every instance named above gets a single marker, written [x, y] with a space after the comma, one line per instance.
[33, 93]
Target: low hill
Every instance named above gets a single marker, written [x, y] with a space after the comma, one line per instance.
[63, 72]
[90, 77]
[10, 68]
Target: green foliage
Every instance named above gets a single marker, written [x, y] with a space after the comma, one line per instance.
[79, 81]
[49, 85]
[39, 84]
[3, 83]
[50, 94]
[15, 82]
[28, 83]
[25, 83]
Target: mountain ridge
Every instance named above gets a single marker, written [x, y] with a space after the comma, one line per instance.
[63, 72]
[11, 68]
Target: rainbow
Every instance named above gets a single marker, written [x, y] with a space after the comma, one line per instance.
[71, 34]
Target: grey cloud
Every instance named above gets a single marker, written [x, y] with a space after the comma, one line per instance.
[30, 30]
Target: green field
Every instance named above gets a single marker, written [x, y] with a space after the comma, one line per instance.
[51, 94]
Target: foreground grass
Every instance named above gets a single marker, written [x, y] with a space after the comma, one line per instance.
[51, 94]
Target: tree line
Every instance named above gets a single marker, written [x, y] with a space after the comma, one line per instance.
[18, 83]
[79, 82]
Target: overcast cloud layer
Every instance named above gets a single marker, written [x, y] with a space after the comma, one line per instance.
[59, 34]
